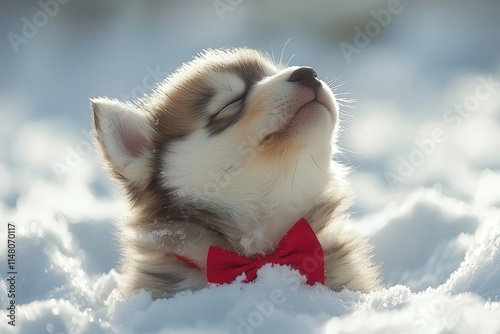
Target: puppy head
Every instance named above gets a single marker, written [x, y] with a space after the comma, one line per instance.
[226, 129]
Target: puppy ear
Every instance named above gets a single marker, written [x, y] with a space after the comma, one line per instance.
[122, 134]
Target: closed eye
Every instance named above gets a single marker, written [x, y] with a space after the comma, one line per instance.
[233, 102]
[227, 115]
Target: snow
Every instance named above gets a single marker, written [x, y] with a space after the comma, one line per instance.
[436, 234]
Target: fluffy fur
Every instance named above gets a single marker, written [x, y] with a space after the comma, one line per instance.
[227, 151]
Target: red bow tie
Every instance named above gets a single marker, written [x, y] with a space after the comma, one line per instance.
[299, 248]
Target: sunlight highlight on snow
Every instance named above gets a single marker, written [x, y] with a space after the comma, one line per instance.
[436, 232]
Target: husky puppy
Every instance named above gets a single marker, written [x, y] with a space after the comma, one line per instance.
[230, 150]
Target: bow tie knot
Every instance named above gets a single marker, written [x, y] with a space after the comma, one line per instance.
[299, 248]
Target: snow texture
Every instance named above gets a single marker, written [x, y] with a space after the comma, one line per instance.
[435, 229]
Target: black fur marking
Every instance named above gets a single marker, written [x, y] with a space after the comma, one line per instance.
[217, 125]
[202, 100]
[250, 75]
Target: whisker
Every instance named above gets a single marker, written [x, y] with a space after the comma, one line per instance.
[337, 86]
[345, 99]
[342, 154]
[343, 150]
[283, 50]
[318, 165]
[344, 157]
[345, 104]
[289, 60]
[333, 81]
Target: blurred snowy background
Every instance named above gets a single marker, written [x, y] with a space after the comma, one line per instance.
[423, 138]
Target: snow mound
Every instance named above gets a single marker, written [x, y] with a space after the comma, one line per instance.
[445, 278]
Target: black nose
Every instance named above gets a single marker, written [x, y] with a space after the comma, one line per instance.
[305, 76]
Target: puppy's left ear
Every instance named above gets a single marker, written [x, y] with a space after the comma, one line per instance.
[123, 135]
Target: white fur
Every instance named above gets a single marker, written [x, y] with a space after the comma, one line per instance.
[228, 87]
[269, 197]
[246, 184]
[121, 125]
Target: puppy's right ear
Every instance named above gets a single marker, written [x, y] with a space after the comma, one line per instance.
[123, 135]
